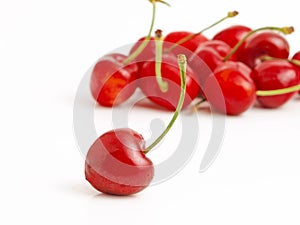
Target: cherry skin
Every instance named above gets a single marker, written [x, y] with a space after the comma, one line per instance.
[210, 58]
[232, 35]
[187, 47]
[111, 82]
[220, 46]
[230, 89]
[297, 57]
[115, 163]
[148, 52]
[170, 74]
[272, 75]
[267, 43]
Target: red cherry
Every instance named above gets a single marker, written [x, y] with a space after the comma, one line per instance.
[232, 35]
[115, 163]
[297, 57]
[170, 74]
[148, 52]
[221, 47]
[267, 43]
[187, 47]
[210, 58]
[230, 89]
[109, 77]
[272, 75]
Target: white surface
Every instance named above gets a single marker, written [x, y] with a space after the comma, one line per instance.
[46, 47]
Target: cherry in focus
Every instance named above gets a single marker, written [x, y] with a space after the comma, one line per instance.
[111, 82]
[273, 75]
[115, 163]
[230, 89]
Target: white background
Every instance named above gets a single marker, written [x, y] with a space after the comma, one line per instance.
[45, 49]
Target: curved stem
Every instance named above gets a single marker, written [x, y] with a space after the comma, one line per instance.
[284, 30]
[158, 61]
[191, 36]
[182, 66]
[293, 61]
[264, 93]
[146, 40]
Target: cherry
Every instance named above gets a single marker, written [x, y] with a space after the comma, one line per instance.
[296, 58]
[211, 59]
[170, 75]
[230, 89]
[261, 44]
[272, 75]
[116, 162]
[232, 35]
[147, 53]
[188, 46]
[212, 54]
[119, 151]
[109, 77]
[220, 46]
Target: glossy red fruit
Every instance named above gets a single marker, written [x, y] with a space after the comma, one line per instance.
[272, 75]
[115, 163]
[230, 90]
[187, 47]
[267, 43]
[232, 35]
[297, 57]
[220, 46]
[210, 58]
[148, 52]
[111, 82]
[170, 74]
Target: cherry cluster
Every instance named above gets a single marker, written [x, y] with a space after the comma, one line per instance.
[231, 71]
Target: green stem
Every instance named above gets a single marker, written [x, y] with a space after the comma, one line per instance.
[146, 40]
[191, 36]
[158, 61]
[278, 91]
[182, 66]
[284, 30]
[293, 61]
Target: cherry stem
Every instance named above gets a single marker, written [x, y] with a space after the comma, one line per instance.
[293, 61]
[182, 66]
[283, 30]
[191, 36]
[146, 40]
[264, 93]
[158, 61]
